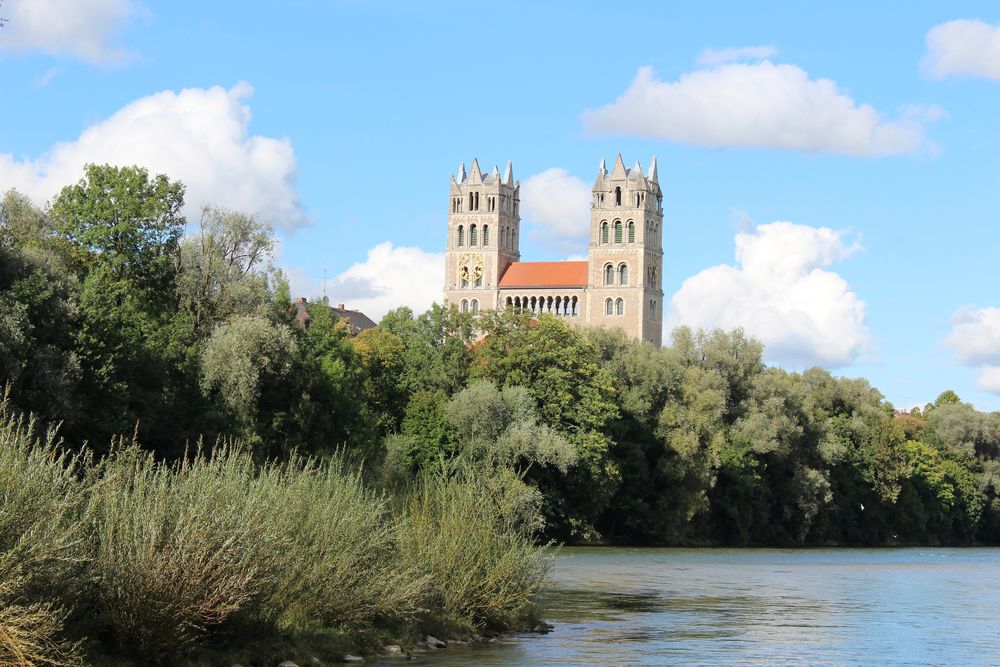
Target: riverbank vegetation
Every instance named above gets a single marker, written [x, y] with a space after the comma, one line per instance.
[221, 471]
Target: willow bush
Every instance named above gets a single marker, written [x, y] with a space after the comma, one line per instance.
[472, 533]
[41, 547]
[179, 549]
[346, 567]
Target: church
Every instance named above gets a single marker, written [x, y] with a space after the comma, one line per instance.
[618, 286]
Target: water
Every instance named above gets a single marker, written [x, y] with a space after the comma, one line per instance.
[760, 607]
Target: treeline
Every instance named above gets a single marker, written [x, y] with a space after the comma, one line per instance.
[113, 323]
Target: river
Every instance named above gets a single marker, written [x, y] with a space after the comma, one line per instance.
[614, 606]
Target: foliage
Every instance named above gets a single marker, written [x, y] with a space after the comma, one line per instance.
[223, 268]
[122, 218]
[471, 532]
[41, 543]
[179, 548]
[241, 358]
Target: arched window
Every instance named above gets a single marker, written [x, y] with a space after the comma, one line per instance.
[623, 274]
[479, 281]
[638, 200]
[510, 302]
[465, 305]
[486, 236]
[618, 232]
[461, 235]
[472, 235]
[604, 232]
[620, 307]
[631, 232]
[475, 306]
[476, 200]
[618, 196]
[608, 307]
[472, 202]
[609, 274]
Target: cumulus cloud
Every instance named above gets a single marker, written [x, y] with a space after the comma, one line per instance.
[760, 104]
[80, 28]
[388, 278]
[964, 46]
[780, 292]
[199, 136]
[733, 54]
[975, 339]
[558, 204]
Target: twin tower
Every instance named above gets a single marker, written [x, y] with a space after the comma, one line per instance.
[618, 286]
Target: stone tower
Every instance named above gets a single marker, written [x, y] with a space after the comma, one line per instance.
[626, 251]
[484, 229]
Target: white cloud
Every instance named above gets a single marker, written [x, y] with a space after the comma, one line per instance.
[988, 379]
[759, 104]
[780, 293]
[963, 47]
[390, 277]
[80, 28]
[718, 56]
[199, 136]
[975, 339]
[558, 204]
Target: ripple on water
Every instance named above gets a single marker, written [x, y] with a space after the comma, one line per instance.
[762, 606]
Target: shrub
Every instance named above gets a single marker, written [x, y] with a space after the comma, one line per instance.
[41, 550]
[179, 548]
[471, 531]
[346, 567]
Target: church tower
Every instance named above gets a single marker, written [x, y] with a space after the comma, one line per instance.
[626, 252]
[484, 229]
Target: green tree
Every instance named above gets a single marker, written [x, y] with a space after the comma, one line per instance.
[383, 363]
[125, 220]
[438, 343]
[575, 396]
[224, 268]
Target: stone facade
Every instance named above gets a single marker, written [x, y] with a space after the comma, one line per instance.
[618, 286]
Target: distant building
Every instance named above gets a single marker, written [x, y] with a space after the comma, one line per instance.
[618, 286]
[356, 320]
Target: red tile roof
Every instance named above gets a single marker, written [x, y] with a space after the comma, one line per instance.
[545, 274]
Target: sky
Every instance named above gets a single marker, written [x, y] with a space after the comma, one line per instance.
[830, 171]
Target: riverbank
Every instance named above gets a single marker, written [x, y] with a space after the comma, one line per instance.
[218, 559]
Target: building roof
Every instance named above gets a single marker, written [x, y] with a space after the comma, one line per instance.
[356, 320]
[545, 274]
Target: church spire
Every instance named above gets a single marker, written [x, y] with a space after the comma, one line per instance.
[475, 176]
[618, 172]
[508, 173]
[461, 173]
[653, 175]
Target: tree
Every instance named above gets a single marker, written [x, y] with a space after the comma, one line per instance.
[240, 359]
[21, 222]
[574, 395]
[502, 427]
[438, 343]
[224, 268]
[123, 219]
[382, 357]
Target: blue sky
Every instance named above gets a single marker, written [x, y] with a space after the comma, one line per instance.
[848, 150]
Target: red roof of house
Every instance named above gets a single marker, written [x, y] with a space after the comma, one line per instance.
[545, 274]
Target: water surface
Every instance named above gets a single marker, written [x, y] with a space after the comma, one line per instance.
[614, 606]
